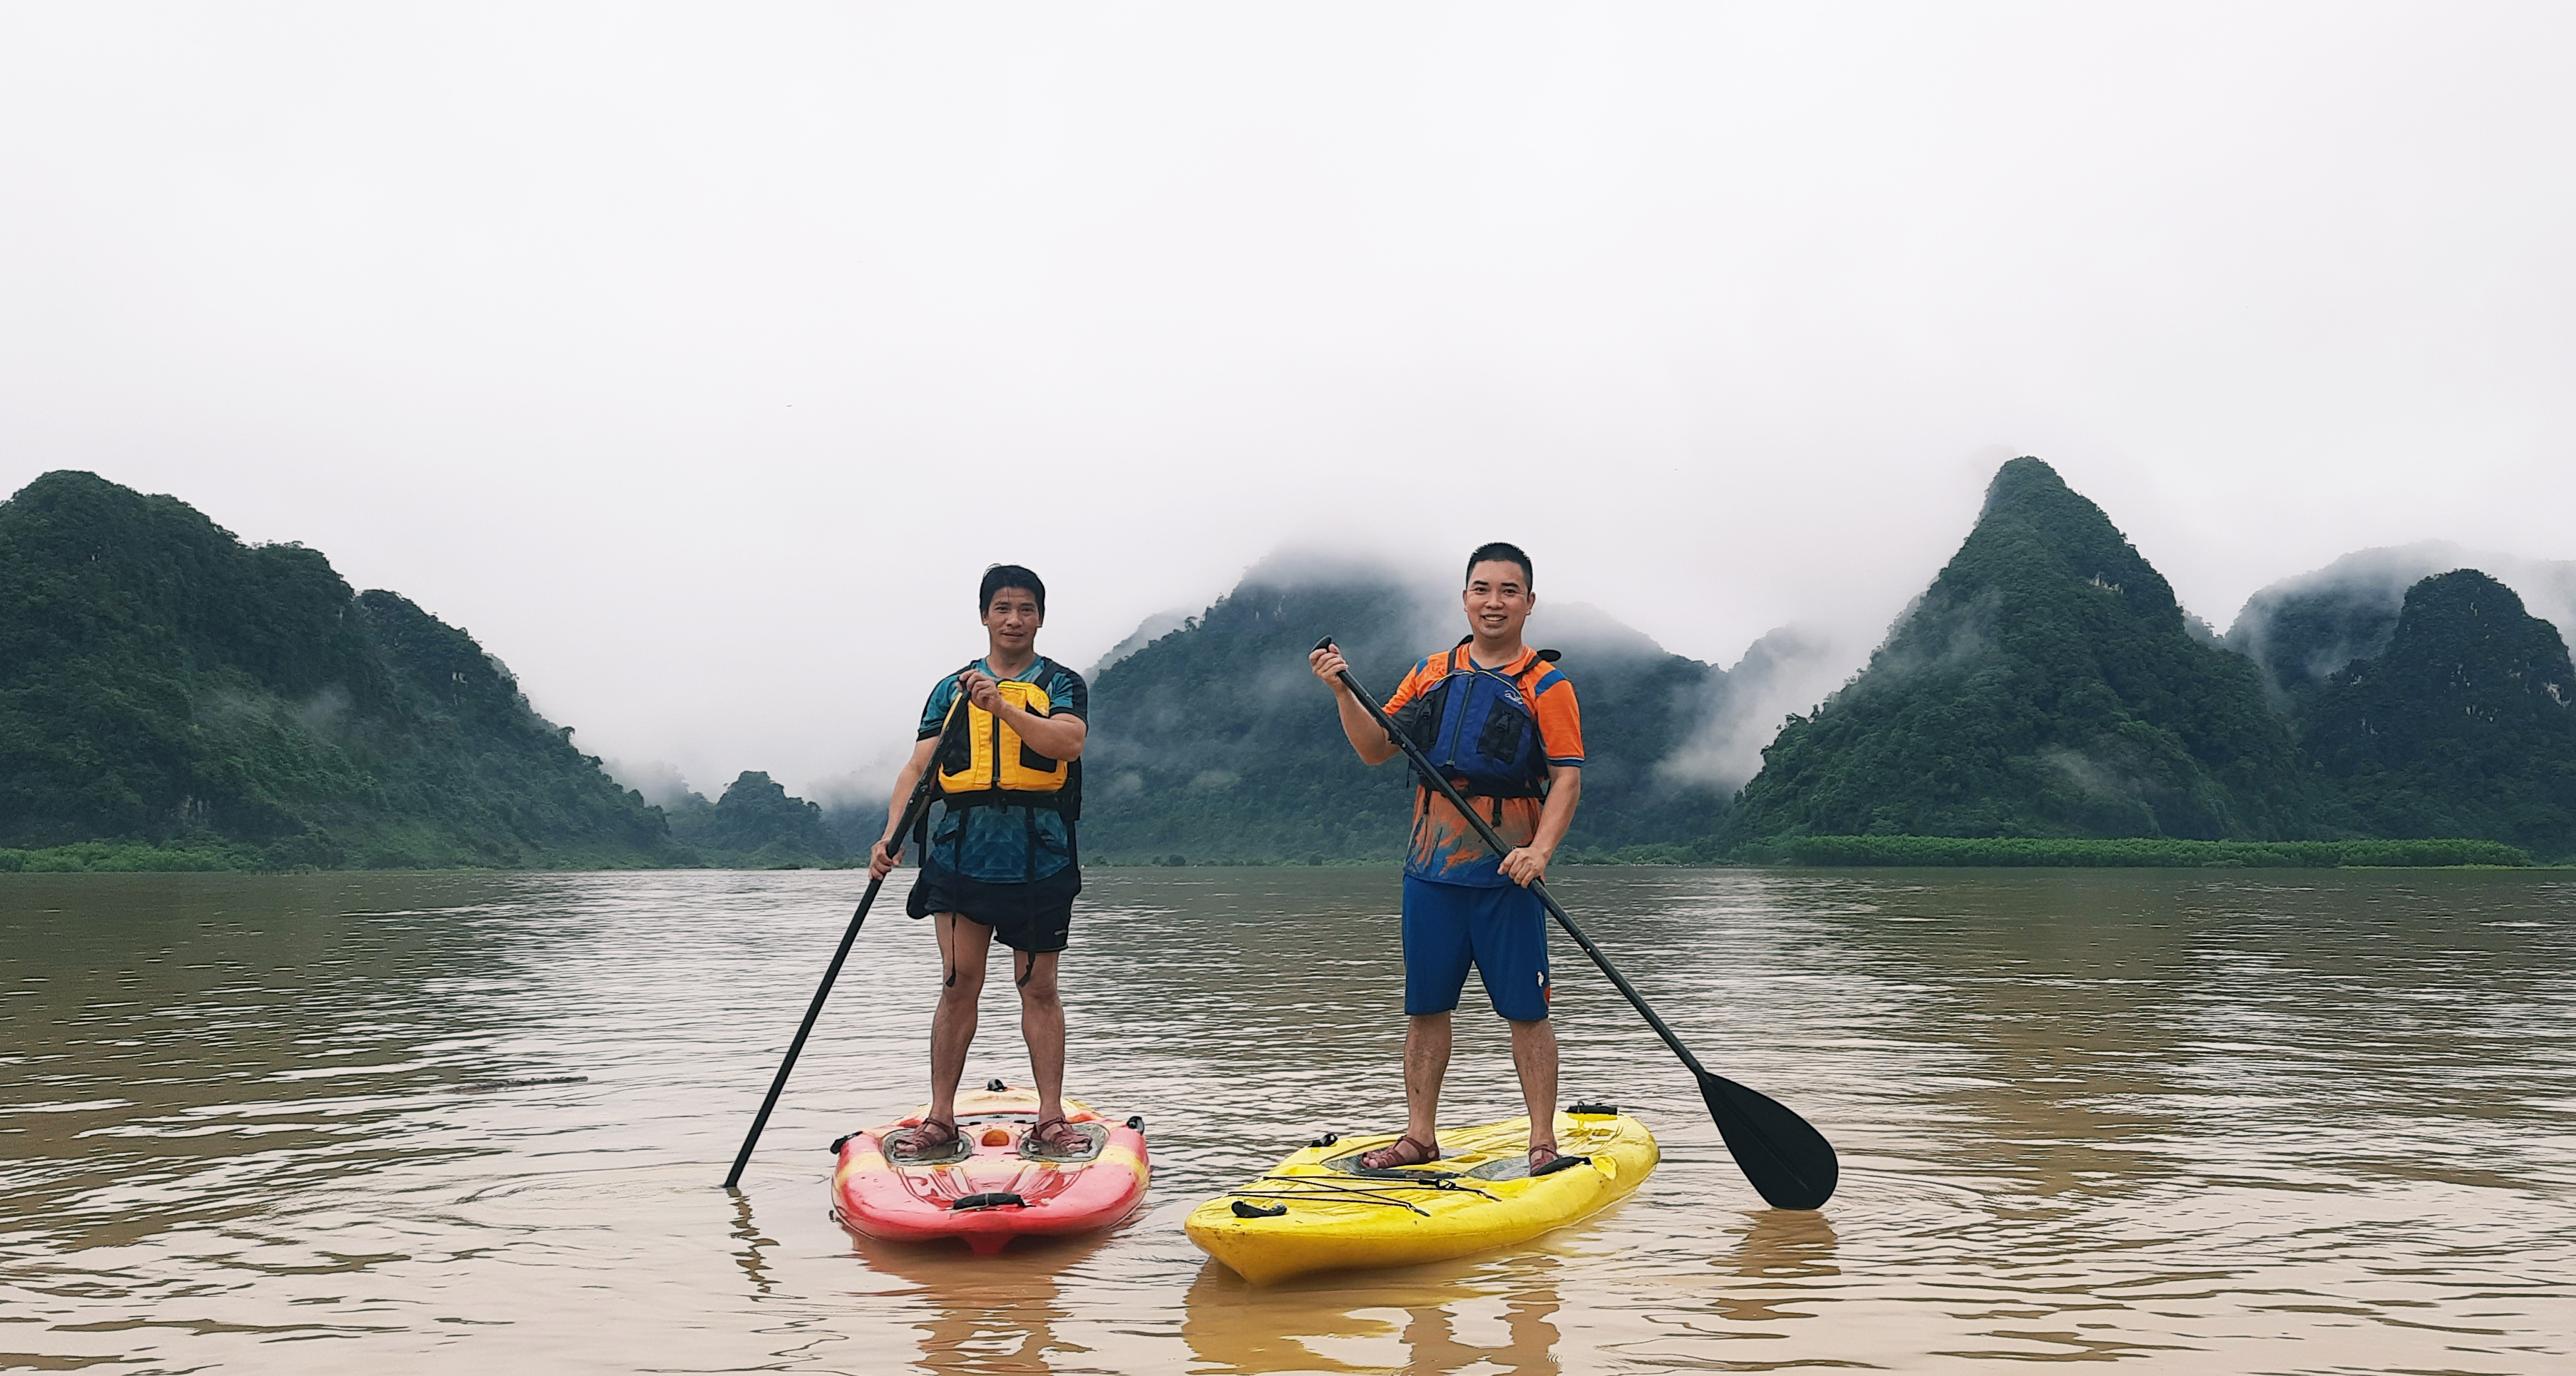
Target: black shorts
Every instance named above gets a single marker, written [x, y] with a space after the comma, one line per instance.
[1036, 917]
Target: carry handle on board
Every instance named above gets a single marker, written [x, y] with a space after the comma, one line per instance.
[1789, 1163]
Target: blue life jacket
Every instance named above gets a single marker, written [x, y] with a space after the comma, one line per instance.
[1479, 727]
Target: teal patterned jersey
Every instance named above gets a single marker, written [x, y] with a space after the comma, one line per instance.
[1006, 845]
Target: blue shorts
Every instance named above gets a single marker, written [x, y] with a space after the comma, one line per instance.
[1502, 931]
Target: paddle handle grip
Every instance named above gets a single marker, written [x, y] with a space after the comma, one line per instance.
[1432, 776]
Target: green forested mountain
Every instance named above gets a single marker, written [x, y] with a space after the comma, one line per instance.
[757, 825]
[163, 683]
[2046, 684]
[2304, 629]
[1213, 741]
[2464, 725]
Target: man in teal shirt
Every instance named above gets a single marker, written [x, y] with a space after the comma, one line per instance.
[1001, 859]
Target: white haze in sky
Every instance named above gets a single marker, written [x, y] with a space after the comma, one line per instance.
[698, 359]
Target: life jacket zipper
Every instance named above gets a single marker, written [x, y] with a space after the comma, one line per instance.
[997, 736]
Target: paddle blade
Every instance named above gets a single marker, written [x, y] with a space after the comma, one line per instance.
[1791, 1164]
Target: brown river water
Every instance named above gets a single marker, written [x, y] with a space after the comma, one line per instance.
[2191, 1121]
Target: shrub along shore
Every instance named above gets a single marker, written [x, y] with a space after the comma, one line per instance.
[2017, 852]
[2029, 851]
[124, 857]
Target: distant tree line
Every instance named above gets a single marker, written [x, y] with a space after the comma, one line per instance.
[173, 698]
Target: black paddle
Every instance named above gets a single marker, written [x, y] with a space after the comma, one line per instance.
[911, 813]
[1790, 1164]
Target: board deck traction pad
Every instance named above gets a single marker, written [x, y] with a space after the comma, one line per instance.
[1500, 1165]
[1504, 1166]
[970, 1132]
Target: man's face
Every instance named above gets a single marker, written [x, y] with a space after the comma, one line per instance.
[1498, 598]
[1012, 618]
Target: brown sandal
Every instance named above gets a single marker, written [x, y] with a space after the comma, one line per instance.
[1536, 1159]
[1394, 1154]
[1056, 1137]
[930, 1137]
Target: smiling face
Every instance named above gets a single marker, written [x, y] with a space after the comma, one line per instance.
[1012, 620]
[1498, 600]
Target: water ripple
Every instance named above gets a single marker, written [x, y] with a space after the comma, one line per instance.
[2186, 1121]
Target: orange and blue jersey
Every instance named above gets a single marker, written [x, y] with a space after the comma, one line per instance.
[1445, 849]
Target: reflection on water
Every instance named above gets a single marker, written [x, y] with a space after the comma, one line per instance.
[1449, 1317]
[2188, 1121]
[980, 1314]
[755, 1267]
[1770, 1259]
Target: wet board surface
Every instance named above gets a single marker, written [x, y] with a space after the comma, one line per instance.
[1320, 1210]
[994, 1183]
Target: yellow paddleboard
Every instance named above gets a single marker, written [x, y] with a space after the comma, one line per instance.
[1319, 1211]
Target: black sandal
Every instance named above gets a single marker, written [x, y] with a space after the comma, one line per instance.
[1392, 1157]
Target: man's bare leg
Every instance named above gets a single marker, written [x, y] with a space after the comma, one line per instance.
[1534, 1055]
[963, 944]
[1426, 1064]
[1042, 1025]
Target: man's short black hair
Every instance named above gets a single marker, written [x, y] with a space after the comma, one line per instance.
[1503, 552]
[1002, 576]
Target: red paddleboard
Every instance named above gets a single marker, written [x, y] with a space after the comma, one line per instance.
[993, 1186]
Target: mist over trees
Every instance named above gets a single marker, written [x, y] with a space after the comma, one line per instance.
[2303, 630]
[163, 684]
[2464, 725]
[173, 698]
[1213, 741]
[2048, 686]
[754, 824]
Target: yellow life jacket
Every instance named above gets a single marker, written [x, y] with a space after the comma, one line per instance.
[988, 765]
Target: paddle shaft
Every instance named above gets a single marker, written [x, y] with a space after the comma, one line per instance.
[1422, 765]
[1782, 1155]
[912, 810]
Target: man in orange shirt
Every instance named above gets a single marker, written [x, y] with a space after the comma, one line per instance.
[1500, 721]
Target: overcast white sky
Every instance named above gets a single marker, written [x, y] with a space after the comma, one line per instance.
[697, 359]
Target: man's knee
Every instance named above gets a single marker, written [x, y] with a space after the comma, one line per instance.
[1036, 978]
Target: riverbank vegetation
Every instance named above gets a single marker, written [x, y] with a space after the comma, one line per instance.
[2048, 689]
[1214, 741]
[2125, 852]
[121, 857]
[189, 699]
[173, 699]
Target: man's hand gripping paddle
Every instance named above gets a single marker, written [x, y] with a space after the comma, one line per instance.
[1790, 1164]
[912, 811]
